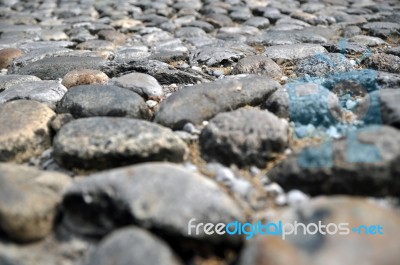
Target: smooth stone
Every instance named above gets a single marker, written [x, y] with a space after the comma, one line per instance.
[330, 249]
[105, 142]
[244, 137]
[29, 201]
[47, 92]
[287, 37]
[113, 36]
[345, 166]
[212, 98]
[156, 196]
[382, 29]
[132, 245]
[143, 84]
[101, 100]
[130, 54]
[293, 52]
[258, 22]
[96, 45]
[57, 67]
[394, 51]
[24, 130]
[7, 81]
[367, 40]
[163, 72]
[84, 77]
[7, 56]
[258, 64]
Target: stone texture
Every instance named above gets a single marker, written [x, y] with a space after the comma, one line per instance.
[133, 245]
[6, 81]
[363, 163]
[387, 106]
[143, 84]
[28, 201]
[293, 52]
[84, 77]
[104, 142]
[8, 55]
[158, 196]
[258, 64]
[24, 129]
[213, 98]
[330, 249]
[323, 64]
[58, 67]
[102, 100]
[384, 62]
[47, 92]
[244, 137]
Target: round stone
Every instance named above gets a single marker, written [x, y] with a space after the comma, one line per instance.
[104, 142]
[28, 201]
[84, 77]
[24, 129]
[8, 55]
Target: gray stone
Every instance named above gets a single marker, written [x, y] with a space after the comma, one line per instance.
[47, 92]
[29, 199]
[323, 64]
[384, 62]
[258, 22]
[293, 52]
[360, 246]
[133, 245]
[163, 72]
[215, 56]
[102, 100]
[6, 81]
[104, 142]
[286, 37]
[382, 29]
[57, 67]
[188, 32]
[213, 98]
[367, 40]
[244, 137]
[363, 163]
[143, 84]
[96, 45]
[305, 103]
[388, 106]
[156, 196]
[60, 247]
[24, 129]
[394, 51]
[258, 64]
[348, 48]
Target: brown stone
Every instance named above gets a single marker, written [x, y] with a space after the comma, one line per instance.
[84, 77]
[24, 130]
[8, 55]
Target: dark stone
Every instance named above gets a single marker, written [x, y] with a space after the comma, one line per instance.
[102, 100]
[213, 98]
